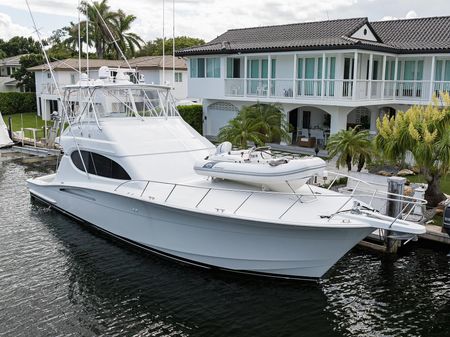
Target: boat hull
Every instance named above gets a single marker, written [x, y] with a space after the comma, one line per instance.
[205, 239]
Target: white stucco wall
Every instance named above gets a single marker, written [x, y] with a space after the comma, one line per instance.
[364, 33]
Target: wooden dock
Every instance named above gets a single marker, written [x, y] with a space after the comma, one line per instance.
[434, 233]
[375, 240]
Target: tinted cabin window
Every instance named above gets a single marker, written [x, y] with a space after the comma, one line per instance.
[99, 165]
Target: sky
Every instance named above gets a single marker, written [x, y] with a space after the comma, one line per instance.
[207, 19]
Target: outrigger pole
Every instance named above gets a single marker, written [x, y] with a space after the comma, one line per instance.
[58, 92]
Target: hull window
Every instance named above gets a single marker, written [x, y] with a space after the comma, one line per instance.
[99, 165]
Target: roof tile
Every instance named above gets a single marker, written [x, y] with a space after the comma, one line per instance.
[397, 36]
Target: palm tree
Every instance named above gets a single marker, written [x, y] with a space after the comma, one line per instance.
[102, 21]
[72, 36]
[259, 123]
[240, 130]
[270, 120]
[351, 146]
[127, 41]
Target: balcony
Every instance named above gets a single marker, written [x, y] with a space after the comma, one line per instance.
[49, 89]
[334, 89]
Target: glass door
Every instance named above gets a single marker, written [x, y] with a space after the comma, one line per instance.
[253, 75]
[310, 63]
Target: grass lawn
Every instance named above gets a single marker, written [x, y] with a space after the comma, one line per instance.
[29, 120]
[444, 182]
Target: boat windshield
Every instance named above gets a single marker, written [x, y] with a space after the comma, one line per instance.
[91, 102]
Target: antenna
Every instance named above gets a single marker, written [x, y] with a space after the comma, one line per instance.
[58, 92]
[164, 47]
[87, 41]
[173, 43]
[79, 38]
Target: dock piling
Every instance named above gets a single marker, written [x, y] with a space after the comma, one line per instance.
[396, 186]
[10, 127]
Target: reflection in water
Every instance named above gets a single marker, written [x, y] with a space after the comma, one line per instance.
[391, 296]
[56, 277]
[116, 286]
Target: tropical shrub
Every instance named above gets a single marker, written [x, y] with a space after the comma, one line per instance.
[425, 132]
[17, 102]
[193, 115]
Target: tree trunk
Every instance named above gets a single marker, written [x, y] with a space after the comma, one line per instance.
[348, 160]
[361, 162]
[433, 194]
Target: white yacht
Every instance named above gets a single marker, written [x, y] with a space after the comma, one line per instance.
[128, 170]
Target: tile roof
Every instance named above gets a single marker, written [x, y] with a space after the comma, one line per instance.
[11, 61]
[420, 34]
[396, 36]
[287, 37]
[144, 62]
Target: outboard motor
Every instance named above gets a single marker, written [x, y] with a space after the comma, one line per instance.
[446, 219]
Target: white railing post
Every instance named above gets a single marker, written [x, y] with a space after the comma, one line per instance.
[355, 72]
[294, 77]
[394, 94]
[269, 74]
[383, 77]
[369, 87]
[245, 76]
[322, 91]
[433, 64]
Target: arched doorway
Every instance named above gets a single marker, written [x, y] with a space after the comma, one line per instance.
[309, 125]
[387, 110]
[218, 115]
[359, 116]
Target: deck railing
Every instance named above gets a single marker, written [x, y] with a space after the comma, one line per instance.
[334, 89]
[233, 201]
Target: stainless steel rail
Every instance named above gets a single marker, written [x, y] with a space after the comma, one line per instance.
[410, 202]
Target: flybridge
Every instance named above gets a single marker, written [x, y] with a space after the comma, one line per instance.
[113, 94]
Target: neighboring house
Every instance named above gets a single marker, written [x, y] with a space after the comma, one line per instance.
[7, 67]
[327, 75]
[66, 72]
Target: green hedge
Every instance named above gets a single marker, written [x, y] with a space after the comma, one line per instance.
[17, 102]
[193, 115]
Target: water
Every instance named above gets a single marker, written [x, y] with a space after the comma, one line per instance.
[59, 279]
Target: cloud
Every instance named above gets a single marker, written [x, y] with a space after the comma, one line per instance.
[198, 18]
[8, 29]
[208, 18]
[53, 7]
[410, 15]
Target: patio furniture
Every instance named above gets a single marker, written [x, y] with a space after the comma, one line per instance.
[261, 91]
[306, 142]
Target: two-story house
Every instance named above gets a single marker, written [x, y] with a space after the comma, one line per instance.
[326, 75]
[8, 66]
[67, 72]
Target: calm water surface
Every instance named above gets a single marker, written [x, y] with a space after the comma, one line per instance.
[59, 279]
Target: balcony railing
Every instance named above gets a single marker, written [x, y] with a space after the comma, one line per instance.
[49, 89]
[439, 87]
[334, 89]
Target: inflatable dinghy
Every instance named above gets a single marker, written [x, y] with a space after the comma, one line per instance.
[258, 167]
